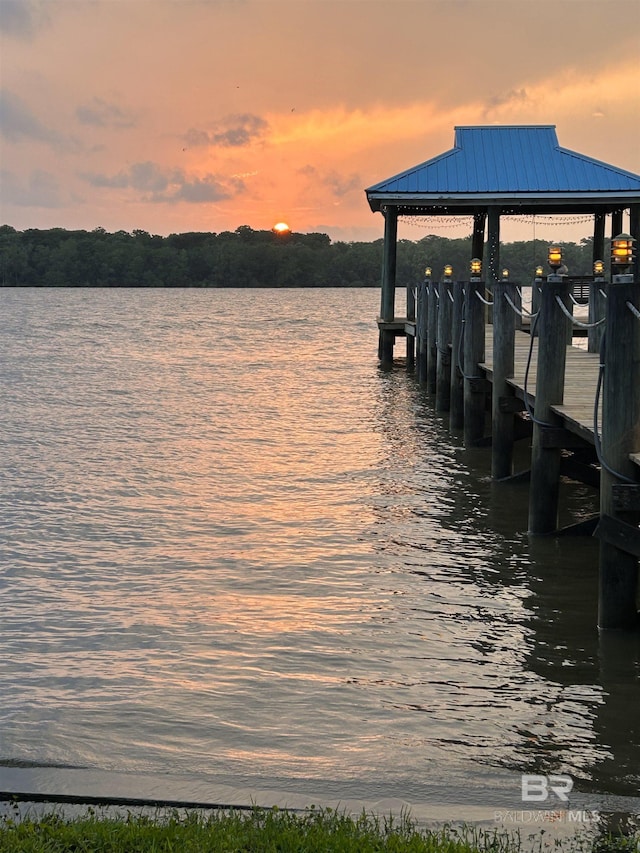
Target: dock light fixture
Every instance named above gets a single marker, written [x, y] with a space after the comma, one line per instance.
[598, 269]
[555, 257]
[476, 268]
[505, 274]
[539, 272]
[622, 250]
[427, 272]
[448, 270]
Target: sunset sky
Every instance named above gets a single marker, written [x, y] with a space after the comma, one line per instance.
[204, 115]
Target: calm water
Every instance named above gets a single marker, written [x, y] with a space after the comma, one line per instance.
[233, 550]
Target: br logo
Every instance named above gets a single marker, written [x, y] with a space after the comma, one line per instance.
[535, 788]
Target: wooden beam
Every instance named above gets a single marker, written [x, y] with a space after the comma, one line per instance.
[510, 404]
[574, 469]
[625, 537]
[580, 528]
[559, 437]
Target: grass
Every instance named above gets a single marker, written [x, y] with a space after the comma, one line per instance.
[265, 831]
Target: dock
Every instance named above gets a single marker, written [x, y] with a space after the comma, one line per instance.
[578, 410]
[471, 342]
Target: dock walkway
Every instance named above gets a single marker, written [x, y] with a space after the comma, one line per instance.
[581, 379]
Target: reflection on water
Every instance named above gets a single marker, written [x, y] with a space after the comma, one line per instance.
[232, 551]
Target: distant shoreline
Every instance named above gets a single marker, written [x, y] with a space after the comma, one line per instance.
[245, 259]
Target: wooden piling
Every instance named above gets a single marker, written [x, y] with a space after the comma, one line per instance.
[411, 317]
[456, 417]
[619, 485]
[388, 294]
[421, 332]
[443, 355]
[545, 457]
[502, 414]
[473, 349]
[432, 335]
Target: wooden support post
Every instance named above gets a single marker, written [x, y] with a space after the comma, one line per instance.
[477, 239]
[597, 300]
[516, 298]
[536, 291]
[616, 223]
[552, 356]
[634, 225]
[493, 246]
[617, 605]
[411, 302]
[634, 230]
[473, 348]
[599, 221]
[456, 418]
[411, 352]
[385, 346]
[433, 309]
[504, 335]
[597, 311]
[443, 357]
[411, 316]
[421, 331]
[388, 295]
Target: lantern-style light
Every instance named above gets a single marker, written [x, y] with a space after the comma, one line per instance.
[427, 272]
[505, 274]
[555, 257]
[539, 271]
[448, 270]
[622, 250]
[598, 269]
[476, 267]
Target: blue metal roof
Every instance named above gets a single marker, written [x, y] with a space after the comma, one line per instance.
[507, 161]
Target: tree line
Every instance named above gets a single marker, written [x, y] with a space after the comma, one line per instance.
[243, 258]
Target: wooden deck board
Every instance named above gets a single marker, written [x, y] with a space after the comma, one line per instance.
[581, 374]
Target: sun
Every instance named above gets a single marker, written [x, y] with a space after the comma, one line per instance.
[281, 228]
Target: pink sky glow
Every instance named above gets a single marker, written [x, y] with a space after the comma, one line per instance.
[204, 115]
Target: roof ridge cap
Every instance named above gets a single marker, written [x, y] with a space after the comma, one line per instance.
[500, 126]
